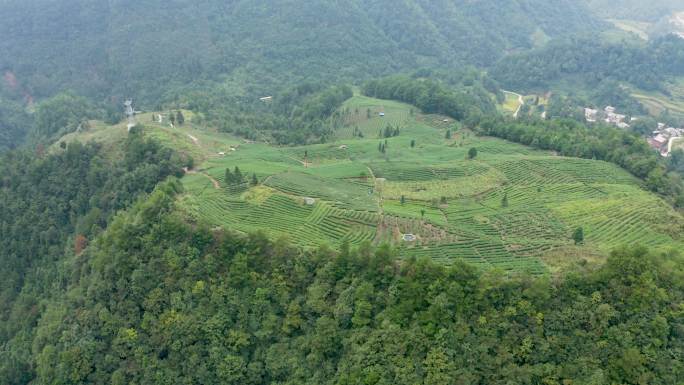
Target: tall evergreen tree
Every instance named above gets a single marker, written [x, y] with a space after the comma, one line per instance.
[237, 175]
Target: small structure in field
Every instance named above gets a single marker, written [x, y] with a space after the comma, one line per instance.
[309, 201]
[590, 115]
[130, 114]
[266, 99]
[382, 114]
[409, 238]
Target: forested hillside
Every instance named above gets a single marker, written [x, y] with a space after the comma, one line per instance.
[592, 61]
[14, 123]
[51, 207]
[634, 9]
[111, 50]
[155, 300]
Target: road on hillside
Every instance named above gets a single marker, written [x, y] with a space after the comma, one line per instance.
[521, 101]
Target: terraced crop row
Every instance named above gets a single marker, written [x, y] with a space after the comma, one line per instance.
[587, 171]
[410, 172]
[561, 171]
[481, 253]
[620, 221]
[317, 153]
[339, 192]
[534, 224]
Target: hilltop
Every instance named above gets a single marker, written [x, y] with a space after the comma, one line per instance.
[511, 207]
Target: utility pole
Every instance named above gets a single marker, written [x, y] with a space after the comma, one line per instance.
[130, 114]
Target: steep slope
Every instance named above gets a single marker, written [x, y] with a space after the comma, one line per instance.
[155, 300]
[146, 48]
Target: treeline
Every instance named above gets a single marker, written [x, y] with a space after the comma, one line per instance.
[14, 124]
[51, 118]
[468, 103]
[156, 300]
[297, 115]
[571, 138]
[593, 61]
[51, 207]
[236, 181]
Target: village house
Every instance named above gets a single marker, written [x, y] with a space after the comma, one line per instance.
[662, 139]
[590, 115]
[609, 115]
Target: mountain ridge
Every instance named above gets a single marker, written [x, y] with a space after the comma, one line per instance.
[144, 49]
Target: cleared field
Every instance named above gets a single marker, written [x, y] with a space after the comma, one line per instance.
[511, 103]
[512, 208]
[657, 102]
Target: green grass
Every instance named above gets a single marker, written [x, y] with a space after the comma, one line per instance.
[358, 192]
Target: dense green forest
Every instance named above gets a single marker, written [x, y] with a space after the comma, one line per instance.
[634, 9]
[301, 114]
[157, 300]
[467, 101]
[14, 122]
[592, 61]
[146, 50]
[51, 206]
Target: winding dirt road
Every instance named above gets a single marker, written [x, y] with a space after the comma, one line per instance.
[521, 101]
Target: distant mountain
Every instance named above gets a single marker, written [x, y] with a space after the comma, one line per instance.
[144, 49]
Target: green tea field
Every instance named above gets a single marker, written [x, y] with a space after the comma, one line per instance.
[510, 207]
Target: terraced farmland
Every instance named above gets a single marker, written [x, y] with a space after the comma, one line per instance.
[510, 208]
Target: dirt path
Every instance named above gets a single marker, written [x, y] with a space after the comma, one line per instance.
[194, 139]
[521, 102]
[214, 182]
[305, 164]
[375, 189]
[265, 181]
[671, 143]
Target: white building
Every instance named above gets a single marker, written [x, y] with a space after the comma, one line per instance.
[590, 115]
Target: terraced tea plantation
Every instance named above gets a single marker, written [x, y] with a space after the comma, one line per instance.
[510, 207]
